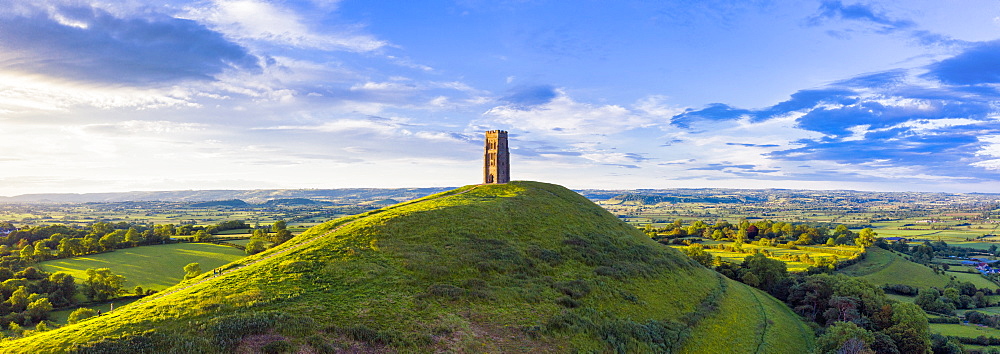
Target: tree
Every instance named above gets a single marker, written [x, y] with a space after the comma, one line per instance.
[44, 326]
[192, 270]
[741, 235]
[770, 274]
[132, 237]
[201, 236]
[15, 328]
[138, 291]
[27, 253]
[39, 309]
[69, 247]
[698, 254]
[911, 331]
[281, 233]
[255, 246]
[839, 334]
[110, 241]
[102, 284]
[19, 299]
[41, 251]
[80, 314]
[281, 236]
[865, 238]
[63, 289]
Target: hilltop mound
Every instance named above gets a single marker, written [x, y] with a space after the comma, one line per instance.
[881, 267]
[291, 202]
[519, 267]
[232, 203]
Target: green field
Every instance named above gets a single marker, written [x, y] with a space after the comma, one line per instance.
[901, 298]
[793, 266]
[995, 310]
[963, 330]
[61, 316]
[974, 278]
[886, 267]
[151, 267]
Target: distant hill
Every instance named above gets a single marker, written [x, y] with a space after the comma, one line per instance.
[346, 195]
[520, 267]
[291, 202]
[648, 199]
[645, 196]
[234, 203]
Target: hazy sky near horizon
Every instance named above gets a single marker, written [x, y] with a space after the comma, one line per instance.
[105, 96]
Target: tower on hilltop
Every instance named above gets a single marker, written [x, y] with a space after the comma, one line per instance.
[496, 159]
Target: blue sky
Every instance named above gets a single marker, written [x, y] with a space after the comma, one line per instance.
[103, 96]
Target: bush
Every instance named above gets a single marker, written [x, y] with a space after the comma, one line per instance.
[568, 302]
[276, 347]
[900, 289]
[575, 288]
[81, 314]
[229, 330]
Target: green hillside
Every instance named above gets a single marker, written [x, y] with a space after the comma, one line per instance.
[520, 267]
[882, 267]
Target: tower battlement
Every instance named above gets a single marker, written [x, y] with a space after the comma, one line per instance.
[496, 158]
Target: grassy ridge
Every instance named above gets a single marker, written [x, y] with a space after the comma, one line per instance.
[882, 267]
[751, 317]
[520, 267]
[151, 267]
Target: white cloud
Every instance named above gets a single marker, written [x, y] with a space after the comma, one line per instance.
[138, 126]
[387, 126]
[254, 20]
[32, 92]
[383, 86]
[564, 117]
[990, 148]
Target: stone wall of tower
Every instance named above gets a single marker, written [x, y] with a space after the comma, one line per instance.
[496, 158]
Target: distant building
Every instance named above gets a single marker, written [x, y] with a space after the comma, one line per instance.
[496, 164]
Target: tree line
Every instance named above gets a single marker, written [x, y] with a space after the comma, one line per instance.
[766, 231]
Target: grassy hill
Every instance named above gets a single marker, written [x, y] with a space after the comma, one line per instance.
[151, 267]
[886, 267]
[525, 266]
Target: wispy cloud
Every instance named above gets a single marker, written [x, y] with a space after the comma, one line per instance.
[91, 44]
[836, 10]
[253, 20]
[560, 115]
[977, 65]
[927, 123]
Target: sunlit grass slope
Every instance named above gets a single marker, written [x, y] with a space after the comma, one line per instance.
[520, 267]
[886, 267]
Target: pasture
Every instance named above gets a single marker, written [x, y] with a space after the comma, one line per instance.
[779, 253]
[963, 330]
[886, 267]
[151, 267]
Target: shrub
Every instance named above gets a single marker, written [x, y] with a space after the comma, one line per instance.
[575, 288]
[279, 346]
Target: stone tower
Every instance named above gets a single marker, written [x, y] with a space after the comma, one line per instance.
[496, 159]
